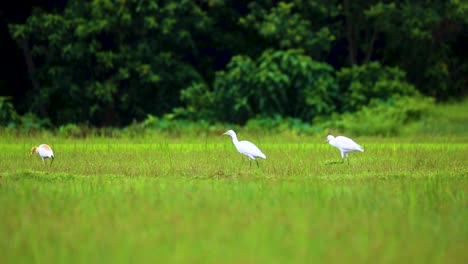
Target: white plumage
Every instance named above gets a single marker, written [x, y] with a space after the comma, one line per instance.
[44, 151]
[246, 148]
[345, 145]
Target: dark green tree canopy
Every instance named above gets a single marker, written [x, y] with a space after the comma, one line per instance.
[109, 62]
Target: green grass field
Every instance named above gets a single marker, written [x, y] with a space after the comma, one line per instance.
[404, 200]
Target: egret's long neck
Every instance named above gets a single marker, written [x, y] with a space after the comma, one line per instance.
[235, 141]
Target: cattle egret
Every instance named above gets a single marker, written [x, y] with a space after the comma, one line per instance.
[345, 145]
[44, 152]
[246, 147]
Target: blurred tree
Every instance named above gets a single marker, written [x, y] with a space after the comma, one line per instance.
[361, 84]
[428, 33]
[14, 80]
[294, 24]
[284, 83]
[420, 37]
[108, 62]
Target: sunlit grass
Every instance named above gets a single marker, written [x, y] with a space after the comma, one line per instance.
[122, 200]
[442, 120]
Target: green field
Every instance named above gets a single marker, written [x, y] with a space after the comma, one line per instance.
[195, 200]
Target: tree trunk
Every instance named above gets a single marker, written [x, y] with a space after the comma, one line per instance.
[32, 76]
[371, 46]
[350, 34]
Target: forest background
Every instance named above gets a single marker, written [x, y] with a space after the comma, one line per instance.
[307, 65]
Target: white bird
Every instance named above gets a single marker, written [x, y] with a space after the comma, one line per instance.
[44, 151]
[246, 147]
[345, 145]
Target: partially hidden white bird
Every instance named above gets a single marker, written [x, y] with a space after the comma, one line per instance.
[246, 147]
[44, 151]
[345, 145]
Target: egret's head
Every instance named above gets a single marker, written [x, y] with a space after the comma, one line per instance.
[33, 150]
[230, 133]
[329, 137]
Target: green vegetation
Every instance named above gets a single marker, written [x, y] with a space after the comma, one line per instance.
[120, 200]
[115, 62]
[134, 95]
[184, 194]
[444, 119]
[398, 116]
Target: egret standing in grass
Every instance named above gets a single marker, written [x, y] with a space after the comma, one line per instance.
[345, 145]
[246, 147]
[44, 151]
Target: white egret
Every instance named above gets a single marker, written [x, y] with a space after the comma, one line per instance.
[44, 151]
[345, 145]
[246, 147]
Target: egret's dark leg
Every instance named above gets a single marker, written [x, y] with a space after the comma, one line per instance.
[258, 166]
[337, 162]
[250, 162]
[51, 160]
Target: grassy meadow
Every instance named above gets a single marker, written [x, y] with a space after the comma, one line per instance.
[404, 200]
[190, 197]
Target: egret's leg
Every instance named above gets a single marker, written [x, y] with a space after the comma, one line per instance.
[51, 160]
[258, 166]
[250, 162]
[43, 162]
[347, 155]
[342, 157]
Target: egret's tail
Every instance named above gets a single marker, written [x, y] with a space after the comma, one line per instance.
[262, 156]
[360, 148]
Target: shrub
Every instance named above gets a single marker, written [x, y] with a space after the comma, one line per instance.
[74, 131]
[383, 117]
[286, 83]
[361, 84]
[8, 115]
[31, 122]
[28, 122]
[171, 125]
[279, 124]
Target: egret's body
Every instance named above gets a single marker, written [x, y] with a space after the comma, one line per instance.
[246, 148]
[345, 145]
[44, 151]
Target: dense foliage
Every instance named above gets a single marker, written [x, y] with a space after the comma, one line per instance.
[285, 83]
[111, 62]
